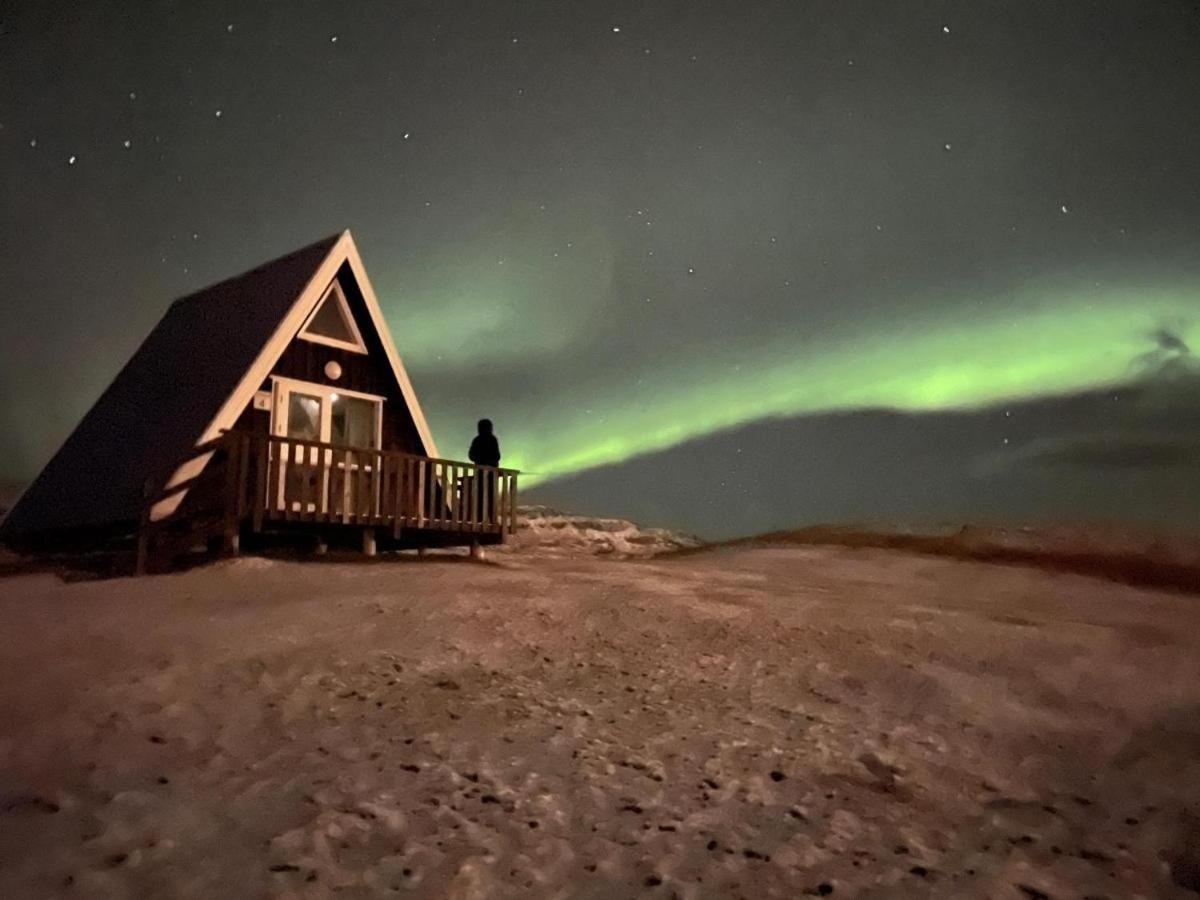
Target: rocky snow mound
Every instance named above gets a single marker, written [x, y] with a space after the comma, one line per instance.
[551, 532]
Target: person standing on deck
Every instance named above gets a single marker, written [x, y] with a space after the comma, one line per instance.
[485, 451]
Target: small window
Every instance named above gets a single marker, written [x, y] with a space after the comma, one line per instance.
[331, 323]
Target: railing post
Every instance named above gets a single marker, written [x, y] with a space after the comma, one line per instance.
[463, 496]
[378, 486]
[372, 503]
[229, 514]
[513, 520]
[349, 497]
[404, 478]
[282, 465]
[442, 510]
[262, 458]
[469, 500]
[426, 479]
[485, 504]
[243, 474]
[446, 507]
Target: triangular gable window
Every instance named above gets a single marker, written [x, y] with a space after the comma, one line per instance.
[331, 323]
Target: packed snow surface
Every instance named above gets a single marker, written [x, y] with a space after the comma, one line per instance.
[739, 722]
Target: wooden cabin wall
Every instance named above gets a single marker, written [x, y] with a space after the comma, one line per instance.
[370, 374]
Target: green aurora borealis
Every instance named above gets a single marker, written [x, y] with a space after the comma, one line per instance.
[1036, 344]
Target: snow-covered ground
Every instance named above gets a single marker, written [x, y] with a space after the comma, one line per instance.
[738, 722]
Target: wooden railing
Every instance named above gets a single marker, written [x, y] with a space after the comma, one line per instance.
[254, 479]
[293, 479]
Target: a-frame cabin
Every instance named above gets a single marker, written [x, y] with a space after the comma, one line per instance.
[271, 406]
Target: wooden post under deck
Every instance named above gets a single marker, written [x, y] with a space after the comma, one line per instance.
[143, 542]
[231, 521]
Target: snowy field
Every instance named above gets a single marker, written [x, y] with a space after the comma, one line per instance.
[740, 722]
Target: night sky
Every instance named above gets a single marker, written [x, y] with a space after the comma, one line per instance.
[724, 266]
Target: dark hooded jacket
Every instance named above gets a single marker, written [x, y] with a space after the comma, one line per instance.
[485, 449]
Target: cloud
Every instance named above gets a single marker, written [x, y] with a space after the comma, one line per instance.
[1170, 341]
[1109, 450]
[1170, 358]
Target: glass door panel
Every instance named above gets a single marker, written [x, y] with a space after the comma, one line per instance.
[352, 423]
[303, 487]
[303, 416]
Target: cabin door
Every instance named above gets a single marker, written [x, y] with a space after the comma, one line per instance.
[299, 486]
[314, 473]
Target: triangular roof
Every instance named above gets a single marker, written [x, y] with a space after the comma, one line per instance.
[188, 382]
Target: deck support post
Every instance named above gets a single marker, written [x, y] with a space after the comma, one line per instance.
[368, 541]
[231, 543]
[422, 551]
[321, 547]
[142, 560]
[477, 550]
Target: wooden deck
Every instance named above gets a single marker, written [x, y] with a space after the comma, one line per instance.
[250, 483]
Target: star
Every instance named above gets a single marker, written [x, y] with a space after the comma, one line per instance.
[333, 40]
[945, 29]
[126, 143]
[71, 161]
[217, 114]
[1064, 209]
